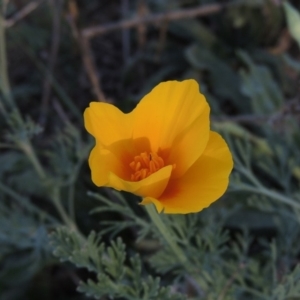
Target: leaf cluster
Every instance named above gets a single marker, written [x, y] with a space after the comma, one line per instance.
[115, 277]
[245, 246]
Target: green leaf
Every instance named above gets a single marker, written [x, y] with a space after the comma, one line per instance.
[223, 81]
[293, 20]
[289, 287]
[260, 86]
[116, 278]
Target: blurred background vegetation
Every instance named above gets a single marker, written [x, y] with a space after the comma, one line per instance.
[58, 231]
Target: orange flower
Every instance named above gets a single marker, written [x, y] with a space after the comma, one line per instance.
[162, 151]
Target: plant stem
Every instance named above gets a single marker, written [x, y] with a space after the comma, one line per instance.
[255, 292]
[29, 151]
[71, 201]
[197, 282]
[248, 173]
[165, 233]
[25, 144]
[57, 203]
[6, 91]
[272, 194]
[280, 197]
[8, 146]
[63, 96]
[27, 204]
[4, 82]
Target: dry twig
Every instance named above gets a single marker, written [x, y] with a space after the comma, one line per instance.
[162, 40]
[245, 119]
[231, 281]
[30, 7]
[85, 48]
[291, 109]
[141, 28]
[57, 8]
[88, 60]
[202, 10]
[84, 36]
[283, 43]
[60, 112]
[125, 32]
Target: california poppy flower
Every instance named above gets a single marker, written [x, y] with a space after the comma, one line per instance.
[163, 150]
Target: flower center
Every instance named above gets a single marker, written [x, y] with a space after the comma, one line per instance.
[145, 164]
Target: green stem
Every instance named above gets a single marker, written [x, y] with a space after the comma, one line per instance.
[272, 194]
[4, 79]
[250, 176]
[165, 233]
[280, 197]
[4, 82]
[54, 83]
[25, 203]
[60, 209]
[71, 202]
[8, 146]
[197, 281]
[28, 150]
[255, 292]
[6, 91]
[3, 110]
[25, 145]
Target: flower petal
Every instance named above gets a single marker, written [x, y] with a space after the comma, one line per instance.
[190, 144]
[166, 111]
[102, 162]
[148, 200]
[152, 186]
[203, 183]
[107, 123]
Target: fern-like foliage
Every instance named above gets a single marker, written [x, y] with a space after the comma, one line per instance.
[24, 249]
[117, 278]
[21, 130]
[289, 287]
[68, 150]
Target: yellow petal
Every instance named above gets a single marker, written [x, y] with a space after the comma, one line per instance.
[203, 183]
[148, 200]
[107, 123]
[102, 162]
[166, 111]
[152, 186]
[190, 144]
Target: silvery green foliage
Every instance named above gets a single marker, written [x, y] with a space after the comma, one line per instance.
[66, 154]
[289, 288]
[116, 278]
[23, 249]
[220, 266]
[246, 246]
[273, 273]
[21, 131]
[223, 267]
